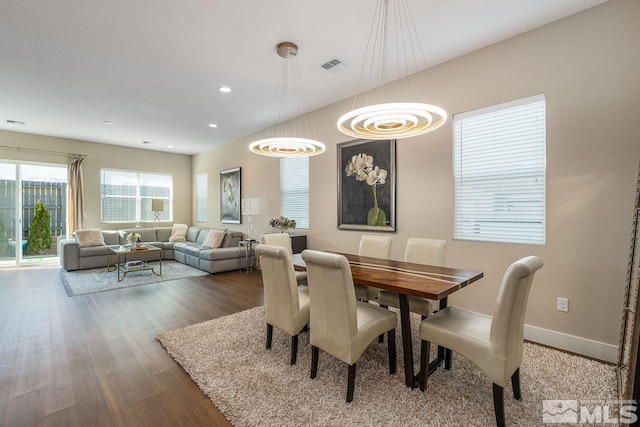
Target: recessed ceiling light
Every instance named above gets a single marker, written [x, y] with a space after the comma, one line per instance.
[225, 89]
[169, 146]
[213, 125]
[107, 122]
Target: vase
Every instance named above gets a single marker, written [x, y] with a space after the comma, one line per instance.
[376, 216]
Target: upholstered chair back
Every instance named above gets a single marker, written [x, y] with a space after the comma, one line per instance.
[277, 239]
[333, 319]
[282, 308]
[507, 327]
[375, 246]
[425, 251]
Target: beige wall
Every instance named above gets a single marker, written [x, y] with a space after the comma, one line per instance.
[587, 65]
[105, 156]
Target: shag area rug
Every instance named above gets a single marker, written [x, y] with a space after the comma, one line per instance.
[83, 282]
[253, 386]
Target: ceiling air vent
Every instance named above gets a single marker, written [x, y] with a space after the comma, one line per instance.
[334, 65]
[15, 122]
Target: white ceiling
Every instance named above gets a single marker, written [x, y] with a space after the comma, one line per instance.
[153, 67]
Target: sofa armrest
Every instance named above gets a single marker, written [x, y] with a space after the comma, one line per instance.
[69, 253]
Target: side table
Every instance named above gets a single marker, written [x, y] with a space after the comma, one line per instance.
[249, 255]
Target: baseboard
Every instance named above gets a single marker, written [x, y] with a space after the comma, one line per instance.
[586, 347]
[571, 343]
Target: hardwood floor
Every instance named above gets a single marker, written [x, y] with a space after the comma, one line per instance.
[93, 360]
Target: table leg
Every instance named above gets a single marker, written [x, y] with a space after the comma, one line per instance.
[405, 325]
[118, 267]
[444, 354]
[153, 269]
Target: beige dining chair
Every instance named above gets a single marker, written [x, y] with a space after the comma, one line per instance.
[284, 240]
[419, 251]
[286, 304]
[492, 344]
[375, 247]
[340, 325]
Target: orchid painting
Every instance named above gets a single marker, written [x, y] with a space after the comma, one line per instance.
[362, 169]
[366, 185]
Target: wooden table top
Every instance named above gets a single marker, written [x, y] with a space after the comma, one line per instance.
[420, 280]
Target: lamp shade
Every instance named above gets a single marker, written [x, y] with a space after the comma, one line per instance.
[157, 205]
[250, 206]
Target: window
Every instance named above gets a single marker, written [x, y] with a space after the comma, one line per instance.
[201, 197]
[294, 184]
[500, 173]
[126, 195]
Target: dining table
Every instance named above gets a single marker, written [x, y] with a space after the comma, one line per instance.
[405, 278]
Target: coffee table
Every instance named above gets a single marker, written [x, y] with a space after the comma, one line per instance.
[121, 265]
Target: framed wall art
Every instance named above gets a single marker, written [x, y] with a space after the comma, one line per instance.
[230, 197]
[367, 185]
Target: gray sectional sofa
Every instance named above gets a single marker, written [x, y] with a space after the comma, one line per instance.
[228, 256]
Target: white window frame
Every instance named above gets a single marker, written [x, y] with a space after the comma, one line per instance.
[166, 215]
[294, 187]
[499, 164]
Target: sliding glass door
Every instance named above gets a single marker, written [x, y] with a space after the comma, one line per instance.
[8, 208]
[33, 211]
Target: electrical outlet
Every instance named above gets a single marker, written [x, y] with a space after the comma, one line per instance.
[563, 304]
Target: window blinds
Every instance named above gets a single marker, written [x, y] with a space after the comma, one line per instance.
[294, 184]
[500, 173]
[127, 195]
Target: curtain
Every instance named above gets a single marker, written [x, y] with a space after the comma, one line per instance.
[75, 194]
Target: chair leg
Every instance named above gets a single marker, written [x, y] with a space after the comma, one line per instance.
[351, 381]
[498, 404]
[391, 343]
[447, 359]
[294, 349]
[269, 335]
[381, 338]
[515, 384]
[315, 353]
[424, 364]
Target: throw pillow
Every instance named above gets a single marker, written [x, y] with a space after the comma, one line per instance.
[90, 237]
[179, 233]
[214, 239]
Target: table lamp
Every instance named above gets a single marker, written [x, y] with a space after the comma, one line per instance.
[250, 207]
[157, 206]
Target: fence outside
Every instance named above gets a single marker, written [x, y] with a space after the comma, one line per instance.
[52, 194]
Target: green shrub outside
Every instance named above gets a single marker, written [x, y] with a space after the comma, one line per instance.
[39, 238]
